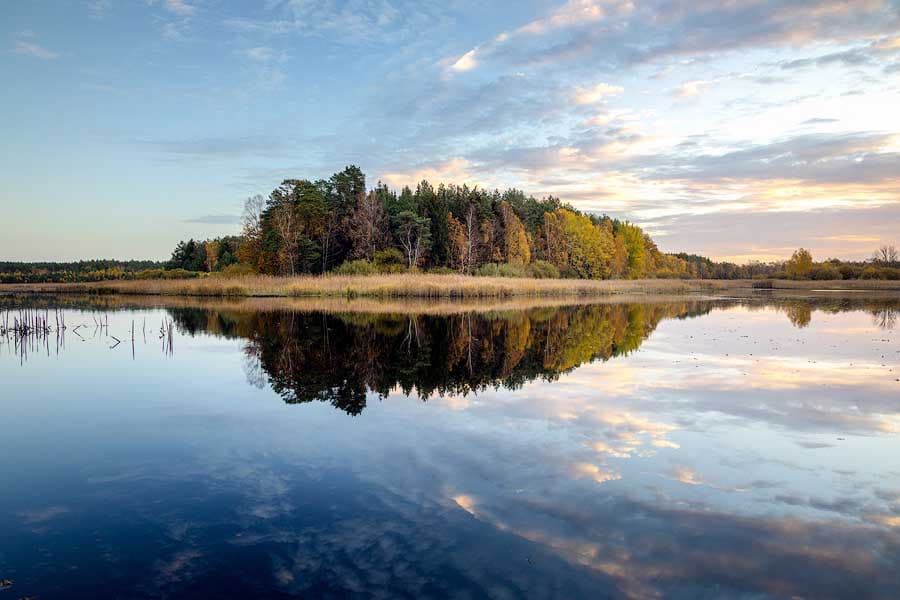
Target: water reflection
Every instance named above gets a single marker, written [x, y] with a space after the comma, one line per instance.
[710, 448]
[338, 358]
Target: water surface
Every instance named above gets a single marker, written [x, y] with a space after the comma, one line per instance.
[690, 448]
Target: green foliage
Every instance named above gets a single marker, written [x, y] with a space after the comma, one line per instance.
[237, 270]
[390, 260]
[874, 272]
[501, 270]
[357, 267]
[825, 272]
[541, 269]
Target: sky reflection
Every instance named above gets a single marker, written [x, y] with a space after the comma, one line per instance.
[731, 454]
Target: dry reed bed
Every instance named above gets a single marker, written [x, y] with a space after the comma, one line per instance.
[425, 286]
[377, 286]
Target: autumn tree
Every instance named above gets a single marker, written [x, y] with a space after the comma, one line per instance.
[589, 247]
[800, 264]
[251, 229]
[633, 238]
[515, 239]
[459, 244]
[367, 226]
[554, 240]
[212, 248]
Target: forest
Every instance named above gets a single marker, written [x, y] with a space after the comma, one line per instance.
[338, 225]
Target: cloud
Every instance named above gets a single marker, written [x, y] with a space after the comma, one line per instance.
[346, 21]
[24, 44]
[466, 62]
[609, 36]
[573, 12]
[689, 89]
[596, 93]
[98, 8]
[179, 7]
[454, 170]
[260, 53]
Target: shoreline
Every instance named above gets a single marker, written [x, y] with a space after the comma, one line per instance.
[427, 286]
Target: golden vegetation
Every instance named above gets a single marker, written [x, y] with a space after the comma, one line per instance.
[380, 286]
[428, 286]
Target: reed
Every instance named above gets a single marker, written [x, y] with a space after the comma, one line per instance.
[428, 286]
[376, 286]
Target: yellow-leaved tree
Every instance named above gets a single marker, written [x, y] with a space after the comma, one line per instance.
[515, 238]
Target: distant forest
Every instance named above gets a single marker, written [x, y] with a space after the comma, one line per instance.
[336, 225]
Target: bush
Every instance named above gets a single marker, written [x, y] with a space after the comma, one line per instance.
[237, 270]
[390, 261]
[873, 272]
[166, 274]
[441, 271]
[501, 270]
[357, 267]
[850, 271]
[541, 269]
[180, 274]
[825, 272]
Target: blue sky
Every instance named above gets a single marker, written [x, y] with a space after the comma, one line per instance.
[737, 129]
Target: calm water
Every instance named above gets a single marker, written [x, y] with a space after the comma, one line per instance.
[711, 449]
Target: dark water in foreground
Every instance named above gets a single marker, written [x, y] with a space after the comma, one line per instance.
[695, 449]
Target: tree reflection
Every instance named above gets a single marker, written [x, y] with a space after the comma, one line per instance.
[340, 358]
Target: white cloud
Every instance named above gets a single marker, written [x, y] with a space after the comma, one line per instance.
[594, 94]
[466, 62]
[689, 89]
[574, 12]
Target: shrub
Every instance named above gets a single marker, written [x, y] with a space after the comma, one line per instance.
[180, 274]
[237, 270]
[873, 272]
[825, 272]
[501, 270]
[850, 271]
[357, 267]
[390, 257]
[541, 269]
[441, 271]
[166, 274]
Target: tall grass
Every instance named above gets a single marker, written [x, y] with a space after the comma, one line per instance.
[380, 286]
[415, 285]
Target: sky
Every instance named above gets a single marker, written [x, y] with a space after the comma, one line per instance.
[737, 129]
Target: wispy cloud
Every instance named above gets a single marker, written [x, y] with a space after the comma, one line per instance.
[98, 8]
[596, 93]
[179, 7]
[24, 44]
[689, 89]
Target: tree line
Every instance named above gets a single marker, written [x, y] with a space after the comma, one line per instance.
[336, 224]
[883, 264]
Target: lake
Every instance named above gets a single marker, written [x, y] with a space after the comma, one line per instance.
[666, 447]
